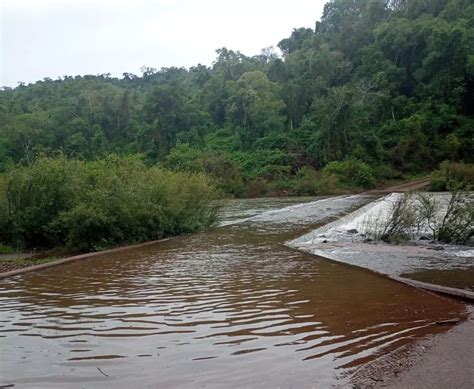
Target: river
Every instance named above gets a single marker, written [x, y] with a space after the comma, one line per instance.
[228, 307]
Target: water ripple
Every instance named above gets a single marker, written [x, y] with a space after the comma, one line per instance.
[228, 307]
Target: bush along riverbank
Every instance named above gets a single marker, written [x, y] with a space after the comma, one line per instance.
[89, 206]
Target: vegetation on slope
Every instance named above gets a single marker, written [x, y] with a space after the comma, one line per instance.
[385, 84]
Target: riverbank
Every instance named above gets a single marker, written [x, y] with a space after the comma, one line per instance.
[229, 299]
[260, 210]
[446, 361]
[15, 263]
[10, 263]
[442, 361]
[32, 264]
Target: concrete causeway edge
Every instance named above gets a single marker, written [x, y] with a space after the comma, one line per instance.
[461, 294]
[76, 258]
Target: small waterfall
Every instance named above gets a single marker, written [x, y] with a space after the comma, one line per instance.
[327, 229]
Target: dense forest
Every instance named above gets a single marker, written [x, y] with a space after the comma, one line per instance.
[379, 89]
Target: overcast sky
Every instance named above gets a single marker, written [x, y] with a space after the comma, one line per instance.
[53, 38]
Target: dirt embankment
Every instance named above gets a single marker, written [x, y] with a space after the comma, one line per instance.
[445, 361]
[14, 261]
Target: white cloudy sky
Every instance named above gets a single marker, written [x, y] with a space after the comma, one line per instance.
[52, 38]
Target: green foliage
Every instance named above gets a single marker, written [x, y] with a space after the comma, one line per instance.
[388, 83]
[98, 204]
[223, 140]
[334, 125]
[5, 249]
[352, 173]
[254, 108]
[263, 164]
[217, 165]
[453, 176]
[34, 197]
[309, 182]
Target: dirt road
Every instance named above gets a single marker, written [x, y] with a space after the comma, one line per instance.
[447, 361]
[406, 187]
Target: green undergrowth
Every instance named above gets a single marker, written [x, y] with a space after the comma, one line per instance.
[264, 172]
[6, 249]
[87, 206]
[453, 176]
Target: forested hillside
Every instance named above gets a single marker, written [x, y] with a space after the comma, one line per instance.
[378, 89]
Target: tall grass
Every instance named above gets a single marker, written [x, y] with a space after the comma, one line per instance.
[93, 205]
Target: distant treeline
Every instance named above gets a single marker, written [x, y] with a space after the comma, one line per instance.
[378, 89]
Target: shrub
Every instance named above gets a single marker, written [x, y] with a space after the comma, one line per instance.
[6, 249]
[386, 172]
[264, 164]
[217, 165]
[311, 182]
[32, 199]
[352, 173]
[453, 176]
[93, 205]
[183, 158]
[451, 222]
[400, 221]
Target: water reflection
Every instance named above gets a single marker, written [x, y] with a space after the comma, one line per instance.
[228, 307]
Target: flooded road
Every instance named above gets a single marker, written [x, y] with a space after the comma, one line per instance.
[224, 308]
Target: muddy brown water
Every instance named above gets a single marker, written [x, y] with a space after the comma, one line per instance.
[454, 278]
[230, 307]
